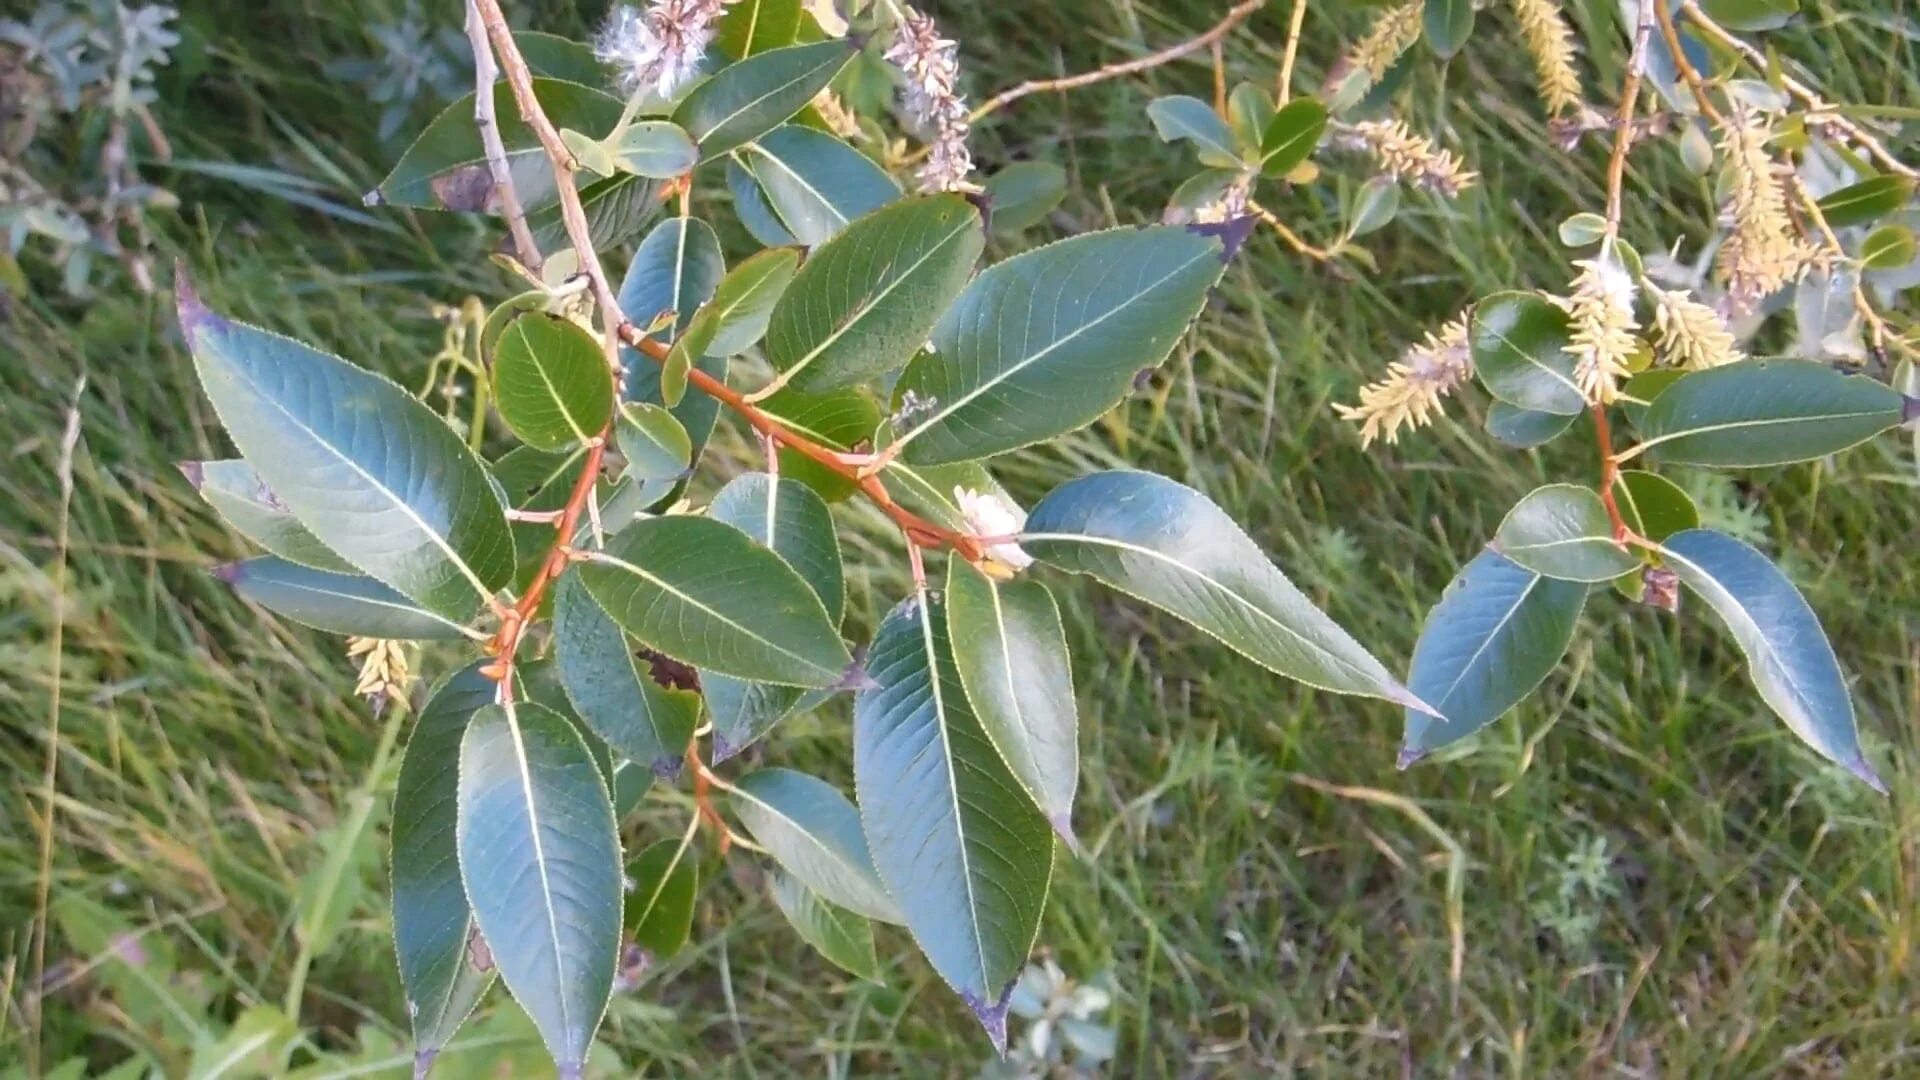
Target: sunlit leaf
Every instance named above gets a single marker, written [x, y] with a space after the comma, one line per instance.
[1563, 531]
[1766, 412]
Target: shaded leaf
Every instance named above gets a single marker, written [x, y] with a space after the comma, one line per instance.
[617, 208]
[745, 100]
[1448, 24]
[814, 832]
[657, 449]
[1525, 429]
[1765, 412]
[550, 382]
[1021, 195]
[665, 882]
[1519, 350]
[1868, 200]
[1653, 506]
[337, 603]
[676, 268]
[754, 26]
[537, 482]
[839, 419]
[614, 695]
[446, 167]
[744, 300]
[844, 938]
[1180, 116]
[243, 501]
[815, 184]
[1563, 531]
[750, 207]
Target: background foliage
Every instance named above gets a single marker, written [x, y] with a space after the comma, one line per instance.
[1646, 871]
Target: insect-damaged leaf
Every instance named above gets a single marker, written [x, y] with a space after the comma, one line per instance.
[611, 689]
[243, 500]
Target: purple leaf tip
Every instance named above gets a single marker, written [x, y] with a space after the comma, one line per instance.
[227, 572]
[1910, 410]
[1063, 825]
[1232, 234]
[423, 1063]
[186, 299]
[668, 766]
[723, 748]
[1409, 757]
[992, 1017]
[855, 678]
[194, 471]
[1859, 767]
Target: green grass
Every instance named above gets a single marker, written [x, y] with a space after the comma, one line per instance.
[1754, 912]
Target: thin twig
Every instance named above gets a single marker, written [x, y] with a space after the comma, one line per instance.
[484, 74]
[1695, 83]
[1283, 89]
[1292, 239]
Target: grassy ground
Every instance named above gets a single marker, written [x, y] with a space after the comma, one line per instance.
[1653, 878]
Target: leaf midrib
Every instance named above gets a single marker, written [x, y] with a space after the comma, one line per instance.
[925, 618]
[607, 559]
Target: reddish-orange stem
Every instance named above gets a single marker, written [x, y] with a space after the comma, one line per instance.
[1609, 472]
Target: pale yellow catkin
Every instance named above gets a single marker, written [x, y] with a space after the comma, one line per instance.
[1392, 34]
[1549, 40]
[1762, 252]
[1415, 387]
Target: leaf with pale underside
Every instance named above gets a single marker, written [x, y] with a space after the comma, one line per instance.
[235, 491]
[744, 101]
[1011, 655]
[368, 469]
[612, 691]
[1045, 342]
[540, 856]
[1563, 531]
[960, 845]
[1169, 545]
[744, 301]
[665, 881]
[1766, 412]
[863, 303]
[550, 382]
[446, 167]
[842, 937]
[811, 829]
[1788, 655]
[814, 183]
[704, 593]
[337, 603]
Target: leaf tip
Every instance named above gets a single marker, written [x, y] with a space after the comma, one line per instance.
[1063, 827]
[1859, 767]
[192, 311]
[194, 471]
[992, 1016]
[423, 1062]
[855, 678]
[1400, 695]
[723, 748]
[1409, 757]
[374, 197]
[1232, 234]
[1909, 410]
[668, 766]
[227, 572]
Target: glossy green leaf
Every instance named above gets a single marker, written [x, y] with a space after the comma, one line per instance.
[693, 344]
[1250, 109]
[538, 482]
[665, 881]
[840, 419]
[865, 300]
[1888, 247]
[1868, 200]
[1169, 545]
[1448, 24]
[1525, 429]
[1183, 117]
[814, 833]
[235, 491]
[1495, 634]
[1519, 349]
[432, 924]
[1021, 195]
[550, 382]
[676, 268]
[743, 303]
[1653, 506]
[751, 209]
[612, 691]
[704, 593]
[785, 516]
[446, 167]
[1787, 652]
[844, 938]
[337, 603]
[1765, 412]
[815, 184]
[367, 468]
[960, 845]
[1563, 531]
[540, 857]
[658, 149]
[744, 101]
[1045, 342]
[748, 27]
[1011, 656]
[1290, 137]
[1751, 14]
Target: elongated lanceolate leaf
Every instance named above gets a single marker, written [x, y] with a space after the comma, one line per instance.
[369, 470]
[1766, 412]
[243, 500]
[744, 101]
[659, 907]
[865, 300]
[816, 184]
[1169, 545]
[1046, 341]
[814, 832]
[337, 603]
[1787, 652]
[612, 692]
[703, 592]
[1495, 634]
[550, 382]
[755, 26]
[962, 848]
[834, 932]
[446, 167]
[1563, 531]
[1011, 654]
[432, 924]
[540, 857]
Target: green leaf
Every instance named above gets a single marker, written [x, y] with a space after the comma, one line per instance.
[1787, 652]
[1888, 247]
[744, 301]
[1638, 392]
[1375, 206]
[814, 833]
[1563, 531]
[617, 208]
[590, 155]
[367, 468]
[694, 343]
[676, 268]
[1169, 545]
[658, 149]
[839, 419]
[256, 1044]
[750, 207]
[1765, 412]
[744, 101]
[1249, 110]
[538, 482]
[815, 184]
[658, 450]
[1495, 634]
[550, 382]
[1525, 429]
[1583, 229]
[928, 490]
[540, 857]
[1183, 117]
[1519, 344]
[1448, 24]
[1011, 655]
[865, 300]
[1048, 340]
[1291, 136]
[1751, 14]
[1868, 200]
[659, 909]
[749, 27]
[446, 167]
[551, 56]
[786, 517]
[961, 847]
[337, 603]
[614, 695]
[845, 939]
[1653, 506]
[243, 501]
[432, 924]
[1021, 195]
[703, 592]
